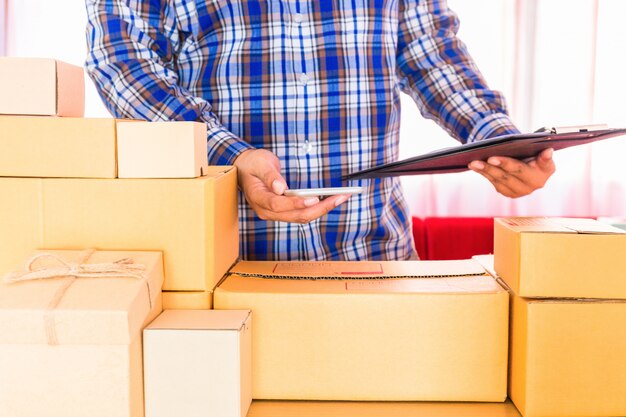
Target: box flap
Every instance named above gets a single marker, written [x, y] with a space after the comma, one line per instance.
[200, 320]
[558, 225]
[94, 308]
[486, 261]
[356, 270]
[588, 226]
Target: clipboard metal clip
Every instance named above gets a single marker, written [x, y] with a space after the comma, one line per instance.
[571, 129]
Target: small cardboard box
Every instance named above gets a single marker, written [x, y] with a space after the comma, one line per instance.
[393, 331]
[266, 408]
[198, 364]
[192, 221]
[70, 345]
[187, 300]
[41, 87]
[57, 147]
[571, 258]
[162, 149]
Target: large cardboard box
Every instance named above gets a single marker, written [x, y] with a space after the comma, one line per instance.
[571, 258]
[41, 87]
[162, 149]
[193, 221]
[266, 408]
[70, 345]
[57, 147]
[396, 331]
[568, 356]
[187, 300]
[198, 364]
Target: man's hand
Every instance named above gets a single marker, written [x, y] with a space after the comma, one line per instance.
[259, 178]
[514, 178]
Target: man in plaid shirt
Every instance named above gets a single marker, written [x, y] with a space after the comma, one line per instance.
[298, 93]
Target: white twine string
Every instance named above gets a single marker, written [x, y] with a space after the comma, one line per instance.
[124, 268]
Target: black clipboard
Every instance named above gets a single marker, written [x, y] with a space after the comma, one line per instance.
[519, 146]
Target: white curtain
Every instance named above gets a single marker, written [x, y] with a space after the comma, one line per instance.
[559, 62]
[3, 27]
[52, 29]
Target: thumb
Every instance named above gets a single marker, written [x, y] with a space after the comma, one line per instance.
[268, 170]
[544, 161]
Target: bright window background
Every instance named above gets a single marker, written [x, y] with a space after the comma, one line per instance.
[559, 62]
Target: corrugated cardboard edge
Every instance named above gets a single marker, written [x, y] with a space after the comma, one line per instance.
[464, 268]
[352, 278]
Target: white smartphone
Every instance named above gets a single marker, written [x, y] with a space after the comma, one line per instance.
[321, 192]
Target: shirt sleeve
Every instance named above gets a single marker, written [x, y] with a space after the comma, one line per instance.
[131, 54]
[436, 70]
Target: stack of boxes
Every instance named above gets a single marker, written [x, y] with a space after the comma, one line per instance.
[142, 196]
[568, 293]
[74, 183]
[163, 228]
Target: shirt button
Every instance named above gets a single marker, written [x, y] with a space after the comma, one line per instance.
[298, 18]
[307, 147]
[304, 79]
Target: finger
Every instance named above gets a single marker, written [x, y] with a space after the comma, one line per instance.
[512, 166]
[273, 180]
[260, 197]
[530, 174]
[306, 215]
[266, 167]
[545, 162]
[504, 183]
[503, 179]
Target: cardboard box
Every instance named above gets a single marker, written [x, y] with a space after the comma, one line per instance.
[72, 346]
[568, 357]
[187, 300]
[193, 221]
[57, 147]
[41, 87]
[571, 258]
[198, 364]
[162, 149]
[380, 409]
[20, 229]
[364, 335]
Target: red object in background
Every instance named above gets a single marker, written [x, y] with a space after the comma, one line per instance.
[418, 237]
[441, 238]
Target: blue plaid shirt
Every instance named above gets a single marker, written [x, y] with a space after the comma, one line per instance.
[317, 82]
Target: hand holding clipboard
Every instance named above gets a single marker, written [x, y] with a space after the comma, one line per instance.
[521, 146]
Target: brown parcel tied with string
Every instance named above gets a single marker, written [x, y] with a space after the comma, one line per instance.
[71, 345]
[351, 331]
